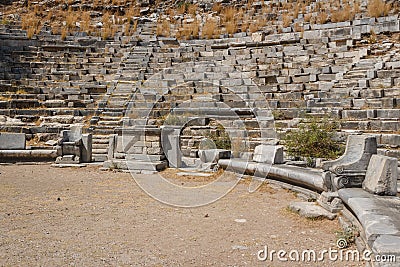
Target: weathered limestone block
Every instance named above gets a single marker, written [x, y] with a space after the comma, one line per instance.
[311, 210]
[382, 175]
[330, 201]
[268, 154]
[170, 144]
[86, 149]
[12, 141]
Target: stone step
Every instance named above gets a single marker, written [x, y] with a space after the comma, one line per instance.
[109, 123]
[100, 146]
[99, 150]
[103, 131]
[355, 75]
[105, 127]
[113, 113]
[99, 157]
[117, 104]
[110, 118]
[101, 141]
[123, 91]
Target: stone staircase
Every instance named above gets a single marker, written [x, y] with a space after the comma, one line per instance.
[131, 70]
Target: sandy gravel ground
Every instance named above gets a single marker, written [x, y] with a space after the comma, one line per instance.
[86, 217]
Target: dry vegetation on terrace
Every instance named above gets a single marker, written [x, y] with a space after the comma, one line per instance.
[184, 20]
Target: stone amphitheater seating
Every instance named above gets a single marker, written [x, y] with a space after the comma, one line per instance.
[330, 69]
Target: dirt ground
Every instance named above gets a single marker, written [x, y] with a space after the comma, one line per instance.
[86, 217]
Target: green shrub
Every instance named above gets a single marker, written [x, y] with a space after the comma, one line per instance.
[313, 139]
[173, 119]
[221, 139]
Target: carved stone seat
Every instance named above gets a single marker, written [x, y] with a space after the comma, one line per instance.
[70, 143]
[74, 147]
[349, 170]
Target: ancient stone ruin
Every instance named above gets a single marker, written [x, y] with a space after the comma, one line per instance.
[143, 102]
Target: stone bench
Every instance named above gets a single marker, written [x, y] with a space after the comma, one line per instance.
[306, 178]
[12, 141]
[12, 149]
[12, 156]
[380, 220]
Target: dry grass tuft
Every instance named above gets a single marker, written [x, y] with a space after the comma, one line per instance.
[31, 24]
[181, 9]
[231, 27]
[210, 29]
[373, 38]
[344, 14]
[378, 8]
[297, 9]
[85, 22]
[189, 31]
[70, 19]
[356, 7]
[259, 24]
[192, 9]
[217, 8]
[322, 17]
[132, 12]
[297, 27]
[307, 17]
[64, 33]
[286, 20]
[108, 30]
[163, 28]
[228, 14]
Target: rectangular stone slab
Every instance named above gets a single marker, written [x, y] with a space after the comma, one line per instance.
[12, 141]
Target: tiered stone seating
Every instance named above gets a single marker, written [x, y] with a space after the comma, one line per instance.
[328, 69]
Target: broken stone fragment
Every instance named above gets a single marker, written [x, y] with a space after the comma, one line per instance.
[268, 154]
[311, 210]
[382, 175]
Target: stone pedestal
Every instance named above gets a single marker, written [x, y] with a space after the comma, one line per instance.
[170, 144]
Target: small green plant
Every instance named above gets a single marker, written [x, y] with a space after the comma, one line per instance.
[346, 237]
[278, 115]
[313, 139]
[221, 139]
[173, 119]
[4, 21]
